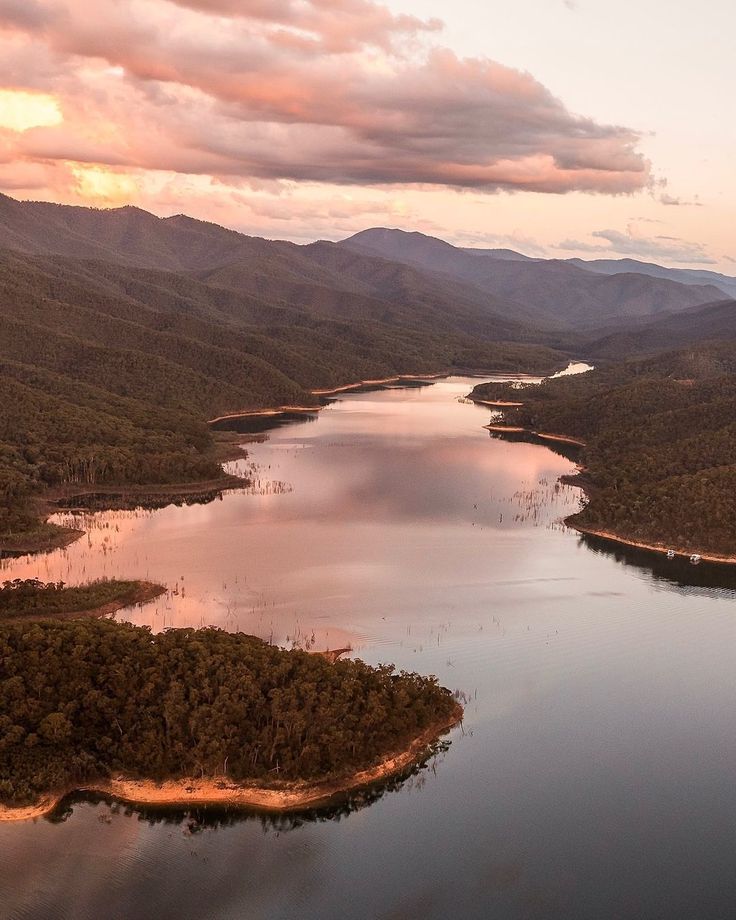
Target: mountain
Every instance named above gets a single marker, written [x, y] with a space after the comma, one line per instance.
[507, 255]
[712, 322]
[560, 293]
[321, 278]
[121, 333]
[696, 276]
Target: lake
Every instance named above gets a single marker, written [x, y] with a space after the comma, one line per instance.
[594, 774]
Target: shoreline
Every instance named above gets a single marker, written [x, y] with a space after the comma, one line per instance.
[264, 413]
[380, 381]
[44, 543]
[293, 796]
[658, 548]
[150, 493]
[62, 500]
[145, 592]
[397, 378]
[331, 391]
[608, 535]
[496, 403]
[545, 436]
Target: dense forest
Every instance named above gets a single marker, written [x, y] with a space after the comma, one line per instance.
[660, 434]
[710, 322]
[33, 599]
[82, 700]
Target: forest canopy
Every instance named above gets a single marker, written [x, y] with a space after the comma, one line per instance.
[83, 700]
[109, 374]
[660, 435]
[31, 598]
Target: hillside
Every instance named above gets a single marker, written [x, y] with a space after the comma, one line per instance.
[714, 321]
[660, 436]
[560, 293]
[122, 333]
[110, 372]
[725, 283]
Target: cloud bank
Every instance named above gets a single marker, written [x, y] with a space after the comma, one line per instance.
[264, 91]
[659, 248]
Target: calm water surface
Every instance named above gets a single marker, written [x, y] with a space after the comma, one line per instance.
[594, 776]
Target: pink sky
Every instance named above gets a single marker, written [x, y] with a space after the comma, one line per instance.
[316, 118]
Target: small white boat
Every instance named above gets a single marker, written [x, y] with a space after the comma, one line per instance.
[670, 554]
[695, 559]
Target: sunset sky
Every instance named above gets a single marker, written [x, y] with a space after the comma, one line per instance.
[556, 127]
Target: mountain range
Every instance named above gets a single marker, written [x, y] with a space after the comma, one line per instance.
[560, 293]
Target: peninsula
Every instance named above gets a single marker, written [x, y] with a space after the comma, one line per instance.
[657, 442]
[199, 716]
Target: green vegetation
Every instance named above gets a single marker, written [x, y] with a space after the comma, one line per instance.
[660, 433]
[82, 700]
[109, 370]
[33, 599]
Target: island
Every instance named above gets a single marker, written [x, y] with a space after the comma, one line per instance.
[199, 717]
[657, 446]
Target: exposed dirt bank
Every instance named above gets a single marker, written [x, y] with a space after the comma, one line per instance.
[221, 792]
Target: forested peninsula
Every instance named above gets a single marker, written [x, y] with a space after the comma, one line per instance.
[659, 454]
[198, 715]
[32, 599]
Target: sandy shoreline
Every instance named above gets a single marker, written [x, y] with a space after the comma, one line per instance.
[506, 428]
[565, 439]
[333, 391]
[496, 403]
[650, 547]
[264, 413]
[375, 383]
[659, 548]
[221, 792]
[545, 436]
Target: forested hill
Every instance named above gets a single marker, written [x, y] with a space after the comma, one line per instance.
[109, 372]
[660, 433]
[558, 291]
[711, 322]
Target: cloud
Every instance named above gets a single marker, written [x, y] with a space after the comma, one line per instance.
[28, 13]
[616, 243]
[673, 201]
[336, 91]
[330, 25]
[518, 241]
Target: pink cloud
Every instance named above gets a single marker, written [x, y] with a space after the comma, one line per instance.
[307, 91]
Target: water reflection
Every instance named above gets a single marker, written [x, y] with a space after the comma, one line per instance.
[594, 776]
[382, 508]
[195, 819]
[256, 424]
[707, 579]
